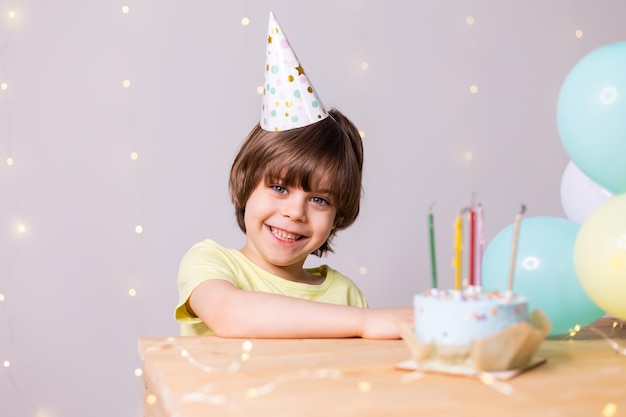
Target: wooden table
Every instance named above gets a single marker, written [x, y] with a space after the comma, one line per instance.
[211, 376]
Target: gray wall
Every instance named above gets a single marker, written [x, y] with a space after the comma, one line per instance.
[68, 326]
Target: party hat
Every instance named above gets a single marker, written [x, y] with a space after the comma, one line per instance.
[289, 99]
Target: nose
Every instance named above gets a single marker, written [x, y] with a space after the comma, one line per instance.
[294, 208]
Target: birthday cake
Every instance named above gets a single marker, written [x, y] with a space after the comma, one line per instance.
[453, 319]
[478, 331]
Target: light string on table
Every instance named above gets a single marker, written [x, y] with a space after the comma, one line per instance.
[206, 394]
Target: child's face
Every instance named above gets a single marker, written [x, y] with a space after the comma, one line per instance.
[285, 224]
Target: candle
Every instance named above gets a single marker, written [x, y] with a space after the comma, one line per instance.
[518, 220]
[472, 248]
[458, 235]
[480, 244]
[431, 239]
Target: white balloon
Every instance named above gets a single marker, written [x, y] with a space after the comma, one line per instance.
[580, 195]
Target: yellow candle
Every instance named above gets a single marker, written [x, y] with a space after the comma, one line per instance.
[458, 236]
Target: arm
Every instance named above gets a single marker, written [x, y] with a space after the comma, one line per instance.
[231, 312]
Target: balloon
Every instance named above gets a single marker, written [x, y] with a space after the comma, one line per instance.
[591, 116]
[544, 271]
[580, 196]
[600, 256]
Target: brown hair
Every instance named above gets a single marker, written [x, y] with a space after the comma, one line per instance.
[303, 157]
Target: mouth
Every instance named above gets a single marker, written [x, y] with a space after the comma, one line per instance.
[284, 235]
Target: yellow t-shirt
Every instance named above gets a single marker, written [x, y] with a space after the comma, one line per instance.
[209, 260]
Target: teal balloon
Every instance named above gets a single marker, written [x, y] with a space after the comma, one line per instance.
[591, 116]
[544, 271]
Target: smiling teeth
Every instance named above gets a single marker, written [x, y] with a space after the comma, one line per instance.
[284, 235]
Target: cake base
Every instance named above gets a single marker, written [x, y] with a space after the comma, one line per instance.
[465, 369]
[512, 348]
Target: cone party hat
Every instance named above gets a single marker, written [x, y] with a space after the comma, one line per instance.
[289, 99]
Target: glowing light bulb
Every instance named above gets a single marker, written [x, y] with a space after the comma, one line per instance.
[469, 20]
[362, 134]
[134, 156]
[579, 34]
[9, 161]
[138, 229]
[473, 89]
[577, 328]
[151, 399]
[21, 228]
[365, 66]
[245, 21]
[4, 86]
[572, 333]
[245, 356]
[132, 292]
[609, 410]
[364, 386]
[6, 364]
[125, 9]
[126, 83]
[138, 372]
[11, 14]
[469, 156]
[247, 346]
[2, 299]
[362, 270]
[260, 89]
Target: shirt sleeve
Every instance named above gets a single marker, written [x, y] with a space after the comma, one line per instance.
[202, 262]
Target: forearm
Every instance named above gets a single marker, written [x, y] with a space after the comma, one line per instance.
[231, 312]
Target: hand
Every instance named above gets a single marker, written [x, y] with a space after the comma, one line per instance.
[382, 323]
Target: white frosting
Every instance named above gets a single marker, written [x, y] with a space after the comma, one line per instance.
[455, 318]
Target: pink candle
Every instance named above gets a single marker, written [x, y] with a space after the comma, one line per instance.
[480, 243]
[472, 248]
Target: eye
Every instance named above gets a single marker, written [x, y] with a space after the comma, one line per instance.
[320, 200]
[278, 188]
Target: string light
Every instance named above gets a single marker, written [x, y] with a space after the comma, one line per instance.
[364, 386]
[365, 66]
[469, 156]
[609, 410]
[151, 399]
[126, 83]
[469, 20]
[362, 270]
[473, 89]
[2, 297]
[132, 292]
[125, 9]
[362, 134]
[12, 14]
[134, 156]
[138, 372]
[9, 161]
[579, 34]
[491, 381]
[21, 228]
[245, 21]
[4, 86]
[6, 364]
[138, 229]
